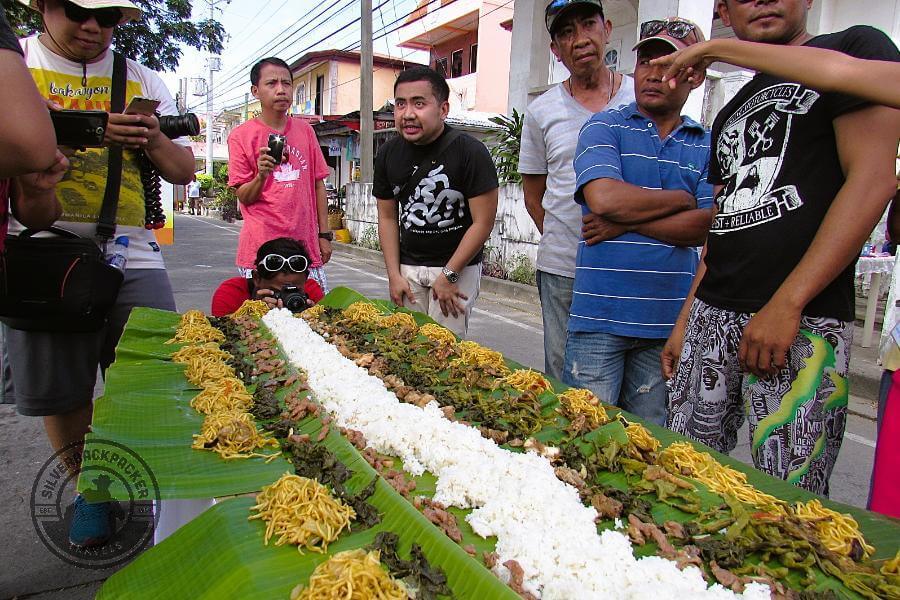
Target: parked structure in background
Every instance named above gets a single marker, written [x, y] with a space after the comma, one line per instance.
[456, 33]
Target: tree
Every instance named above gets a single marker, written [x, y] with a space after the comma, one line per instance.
[153, 41]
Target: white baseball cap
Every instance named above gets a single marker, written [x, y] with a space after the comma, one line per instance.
[130, 11]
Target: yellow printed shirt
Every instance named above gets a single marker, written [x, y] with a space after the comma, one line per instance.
[81, 190]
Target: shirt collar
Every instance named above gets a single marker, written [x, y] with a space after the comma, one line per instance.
[631, 112]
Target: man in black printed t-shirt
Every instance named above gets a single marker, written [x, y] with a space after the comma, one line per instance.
[801, 179]
[437, 198]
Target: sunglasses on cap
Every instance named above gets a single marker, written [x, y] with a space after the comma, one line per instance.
[106, 17]
[674, 28]
[274, 263]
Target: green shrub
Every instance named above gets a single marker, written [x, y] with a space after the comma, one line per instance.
[522, 271]
[369, 238]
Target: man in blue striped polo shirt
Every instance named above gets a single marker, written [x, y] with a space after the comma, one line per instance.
[642, 168]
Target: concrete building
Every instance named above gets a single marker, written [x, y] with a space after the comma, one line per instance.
[326, 82]
[468, 44]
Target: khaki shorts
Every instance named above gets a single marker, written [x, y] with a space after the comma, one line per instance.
[422, 278]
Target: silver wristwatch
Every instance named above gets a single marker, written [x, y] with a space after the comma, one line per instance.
[451, 275]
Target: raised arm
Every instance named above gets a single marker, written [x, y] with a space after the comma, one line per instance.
[824, 70]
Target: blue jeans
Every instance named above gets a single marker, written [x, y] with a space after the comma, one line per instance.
[622, 371]
[556, 300]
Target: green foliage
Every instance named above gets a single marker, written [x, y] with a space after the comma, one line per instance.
[206, 182]
[154, 41]
[505, 150]
[521, 270]
[226, 198]
[369, 238]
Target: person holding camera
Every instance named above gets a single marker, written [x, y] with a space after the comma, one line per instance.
[54, 372]
[278, 172]
[279, 277]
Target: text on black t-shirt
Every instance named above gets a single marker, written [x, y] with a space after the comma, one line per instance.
[774, 150]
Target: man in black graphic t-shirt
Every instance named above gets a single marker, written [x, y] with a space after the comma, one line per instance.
[801, 179]
[437, 199]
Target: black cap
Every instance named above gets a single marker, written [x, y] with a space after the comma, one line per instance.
[557, 8]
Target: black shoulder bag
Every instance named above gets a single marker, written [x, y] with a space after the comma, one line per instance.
[425, 165]
[62, 283]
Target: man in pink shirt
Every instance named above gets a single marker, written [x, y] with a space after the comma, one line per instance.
[285, 197]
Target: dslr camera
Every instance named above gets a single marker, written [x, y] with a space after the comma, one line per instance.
[292, 297]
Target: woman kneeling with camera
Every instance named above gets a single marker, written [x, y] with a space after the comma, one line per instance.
[279, 279]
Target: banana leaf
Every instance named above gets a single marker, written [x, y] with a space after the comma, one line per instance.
[221, 532]
[882, 532]
[222, 554]
[146, 408]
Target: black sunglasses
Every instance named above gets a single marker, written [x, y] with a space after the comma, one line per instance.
[106, 17]
[676, 29]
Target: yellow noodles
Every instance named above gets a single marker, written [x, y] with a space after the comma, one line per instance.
[201, 370]
[195, 327]
[209, 350]
[476, 355]
[681, 458]
[641, 437]
[351, 575]
[398, 320]
[362, 311]
[232, 434]
[575, 402]
[439, 334]
[525, 380]
[313, 313]
[251, 308]
[222, 395]
[837, 531]
[301, 511]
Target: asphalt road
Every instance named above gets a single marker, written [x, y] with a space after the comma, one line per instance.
[202, 257]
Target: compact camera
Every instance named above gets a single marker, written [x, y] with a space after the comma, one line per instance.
[276, 147]
[292, 297]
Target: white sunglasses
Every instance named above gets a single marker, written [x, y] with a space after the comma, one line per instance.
[276, 262]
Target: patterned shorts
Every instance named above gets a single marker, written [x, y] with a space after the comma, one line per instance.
[796, 417]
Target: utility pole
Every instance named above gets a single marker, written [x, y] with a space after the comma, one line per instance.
[213, 64]
[366, 120]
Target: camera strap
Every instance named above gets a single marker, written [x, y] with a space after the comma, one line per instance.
[426, 163]
[106, 226]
